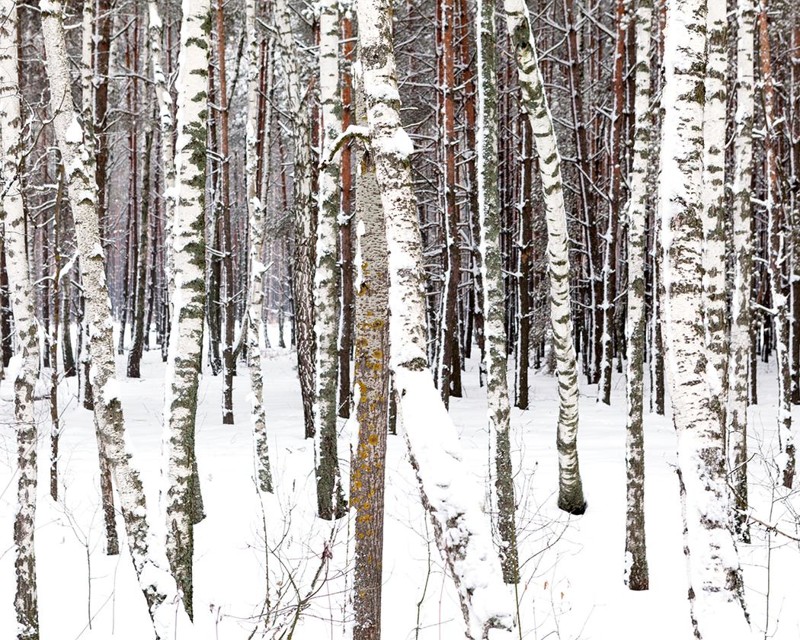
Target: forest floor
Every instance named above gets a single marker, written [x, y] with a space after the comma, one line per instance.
[572, 568]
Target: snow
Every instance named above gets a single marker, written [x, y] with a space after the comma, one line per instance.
[572, 577]
[74, 133]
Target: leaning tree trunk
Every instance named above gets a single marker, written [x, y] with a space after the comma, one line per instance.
[740, 340]
[188, 304]
[330, 497]
[636, 572]
[22, 304]
[491, 265]
[462, 532]
[255, 216]
[716, 595]
[160, 592]
[570, 489]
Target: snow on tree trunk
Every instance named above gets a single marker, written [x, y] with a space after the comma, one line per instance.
[570, 490]
[371, 396]
[777, 249]
[166, 126]
[303, 213]
[636, 571]
[255, 216]
[461, 529]
[88, 96]
[491, 265]
[715, 580]
[740, 338]
[330, 497]
[714, 204]
[184, 363]
[161, 594]
[22, 301]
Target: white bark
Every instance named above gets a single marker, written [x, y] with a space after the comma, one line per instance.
[740, 339]
[326, 276]
[184, 363]
[155, 32]
[163, 599]
[570, 496]
[22, 303]
[636, 571]
[461, 529]
[714, 250]
[716, 590]
[256, 221]
[491, 265]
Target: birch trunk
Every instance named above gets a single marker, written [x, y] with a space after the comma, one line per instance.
[716, 596]
[461, 530]
[184, 364]
[740, 340]
[714, 251]
[330, 497]
[636, 571]
[161, 594]
[166, 127]
[570, 490]
[491, 264]
[255, 216]
[22, 304]
[303, 213]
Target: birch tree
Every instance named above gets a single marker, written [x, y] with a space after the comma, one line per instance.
[22, 303]
[491, 263]
[570, 489]
[163, 599]
[740, 338]
[716, 596]
[166, 125]
[255, 216]
[184, 364]
[330, 497]
[461, 531]
[636, 571]
[714, 250]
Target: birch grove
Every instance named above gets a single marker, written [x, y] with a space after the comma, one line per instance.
[428, 247]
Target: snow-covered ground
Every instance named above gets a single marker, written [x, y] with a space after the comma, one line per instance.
[572, 567]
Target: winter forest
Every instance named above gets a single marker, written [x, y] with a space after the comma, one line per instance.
[413, 319]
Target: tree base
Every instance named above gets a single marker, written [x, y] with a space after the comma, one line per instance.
[573, 507]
